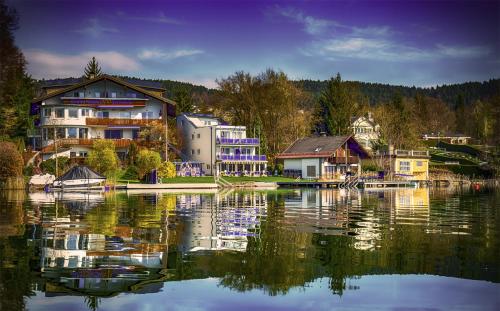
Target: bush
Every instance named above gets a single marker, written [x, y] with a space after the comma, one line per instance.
[11, 161]
[49, 166]
[147, 160]
[28, 170]
[103, 157]
[131, 173]
[167, 170]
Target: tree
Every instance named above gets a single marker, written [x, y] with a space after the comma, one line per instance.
[11, 161]
[147, 160]
[93, 69]
[167, 170]
[184, 100]
[268, 104]
[16, 86]
[103, 158]
[337, 104]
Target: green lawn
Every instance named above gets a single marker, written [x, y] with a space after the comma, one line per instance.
[262, 179]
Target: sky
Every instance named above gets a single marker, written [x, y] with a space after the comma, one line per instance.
[421, 43]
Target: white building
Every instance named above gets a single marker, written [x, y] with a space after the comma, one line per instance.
[365, 131]
[103, 107]
[221, 148]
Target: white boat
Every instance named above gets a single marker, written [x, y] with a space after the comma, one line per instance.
[79, 176]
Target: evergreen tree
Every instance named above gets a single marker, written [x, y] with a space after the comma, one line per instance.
[93, 69]
[16, 86]
[184, 100]
[338, 103]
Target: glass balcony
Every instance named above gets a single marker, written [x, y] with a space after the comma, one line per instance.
[241, 157]
[237, 141]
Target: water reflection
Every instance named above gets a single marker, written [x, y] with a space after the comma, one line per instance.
[100, 245]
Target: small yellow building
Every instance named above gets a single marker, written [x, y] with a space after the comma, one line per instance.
[410, 164]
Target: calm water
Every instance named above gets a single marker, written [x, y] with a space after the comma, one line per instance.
[281, 250]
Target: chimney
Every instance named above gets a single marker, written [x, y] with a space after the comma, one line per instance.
[370, 118]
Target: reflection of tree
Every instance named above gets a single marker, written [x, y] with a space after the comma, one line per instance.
[92, 302]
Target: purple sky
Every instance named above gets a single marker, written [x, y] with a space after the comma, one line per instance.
[412, 43]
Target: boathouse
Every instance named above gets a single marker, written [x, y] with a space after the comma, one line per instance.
[323, 157]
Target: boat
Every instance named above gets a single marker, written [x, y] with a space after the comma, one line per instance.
[79, 176]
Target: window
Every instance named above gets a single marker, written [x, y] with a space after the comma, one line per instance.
[85, 112]
[81, 94]
[420, 163]
[113, 94]
[75, 94]
[198, 136]
[135, 134]
[49, 133]
[60, 132]
[192, 136]
[311, 171]
[182, 122]
[113, 134]
[59, 112]
[147, 115]
[72, 132]
[102, 114]
[83, 133]
[72, 154]
[83, 154]
[124, 114]
[198, 151]
[73, 113]
[208, 166]
[133, 95]
[47, 112]
[97, 94]
[192, 151]
[404, 166]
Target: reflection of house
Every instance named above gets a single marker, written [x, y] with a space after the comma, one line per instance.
[365, 130]
[323, 157]
[452, 138]
[103, 107]
[223, 222]
[221, 148]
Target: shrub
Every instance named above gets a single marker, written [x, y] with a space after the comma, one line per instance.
[167, 170]
[131, 173]
[11, 161]
[146, 161]
[103, 157]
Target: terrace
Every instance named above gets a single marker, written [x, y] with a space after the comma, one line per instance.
[234, 158]
[118, 122]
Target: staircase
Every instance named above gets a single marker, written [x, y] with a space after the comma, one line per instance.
[221, 182]
[351, 182]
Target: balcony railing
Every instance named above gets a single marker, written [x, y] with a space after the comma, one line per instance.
[119, 122]
[238, 141]
[343, 160]
[67, 142]
[411, 153]
[227, 157]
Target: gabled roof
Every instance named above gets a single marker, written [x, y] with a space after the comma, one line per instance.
[105, 77]
[321, 147]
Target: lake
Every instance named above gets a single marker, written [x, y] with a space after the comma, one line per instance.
[295, 249]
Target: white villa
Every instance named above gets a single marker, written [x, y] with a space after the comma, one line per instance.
[365, 131]
[221, 149]
[103, 107]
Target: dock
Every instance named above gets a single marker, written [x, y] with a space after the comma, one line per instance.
[358, 185]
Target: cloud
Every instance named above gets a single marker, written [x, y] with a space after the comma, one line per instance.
[311, 24]
[378, 31]
[159, 18]
[44, 64]
[155, 54]
[387, 50]
[94, 28]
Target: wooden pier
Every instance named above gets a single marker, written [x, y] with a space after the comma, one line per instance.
[343, 185]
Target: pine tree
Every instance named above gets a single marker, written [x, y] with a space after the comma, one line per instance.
[93, 69]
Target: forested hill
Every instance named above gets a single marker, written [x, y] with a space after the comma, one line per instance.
[378, 93]
[375, 92]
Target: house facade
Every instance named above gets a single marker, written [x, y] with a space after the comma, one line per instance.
[408, 164]
[451, 138]
[365, 131]
[221, 149]
[323, 157]
[69, 118]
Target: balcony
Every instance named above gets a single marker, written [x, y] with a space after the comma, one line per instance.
[118, 122]
[411, 153]
[238, 141]
[68, 142]
[104, 102]
[242, 157]
[344, 160]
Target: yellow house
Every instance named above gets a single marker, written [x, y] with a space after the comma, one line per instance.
[410, 164]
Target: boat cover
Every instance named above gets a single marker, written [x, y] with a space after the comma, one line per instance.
[80, 172]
